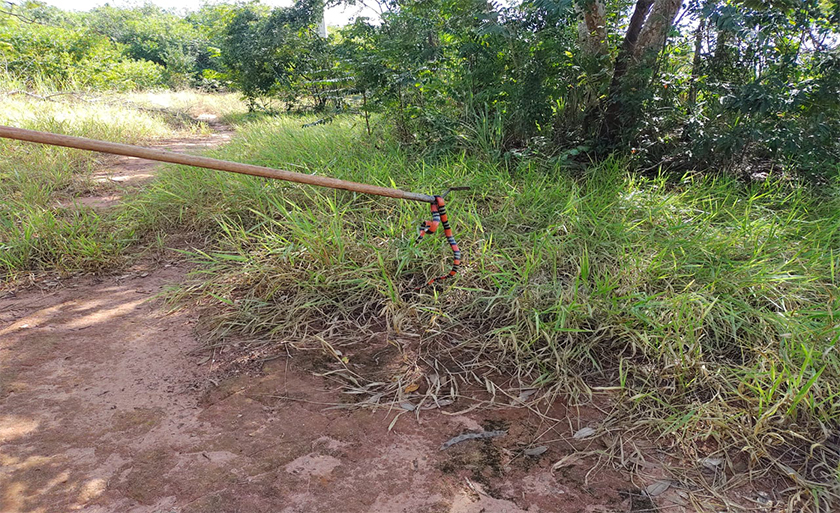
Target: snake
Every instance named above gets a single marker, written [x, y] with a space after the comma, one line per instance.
[430, 227]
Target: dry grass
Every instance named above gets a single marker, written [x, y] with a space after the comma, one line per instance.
[37, 232]
[707, 307]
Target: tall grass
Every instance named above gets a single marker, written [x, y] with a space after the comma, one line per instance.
[41, 227]
[710, 306]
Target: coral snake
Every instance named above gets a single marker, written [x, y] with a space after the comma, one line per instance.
[430, 227]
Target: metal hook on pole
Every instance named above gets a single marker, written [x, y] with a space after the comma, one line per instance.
[452, 189]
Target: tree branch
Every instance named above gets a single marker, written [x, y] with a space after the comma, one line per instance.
[21, 17]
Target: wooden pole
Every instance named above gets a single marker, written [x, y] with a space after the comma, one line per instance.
[128, 150]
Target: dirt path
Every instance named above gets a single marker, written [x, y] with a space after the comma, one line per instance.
[107, 404]
[118, 174]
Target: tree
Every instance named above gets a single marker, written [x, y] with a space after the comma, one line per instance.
[279, 53]
[643, 41]
[152, 34]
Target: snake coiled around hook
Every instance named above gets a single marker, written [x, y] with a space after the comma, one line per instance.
[430, 227]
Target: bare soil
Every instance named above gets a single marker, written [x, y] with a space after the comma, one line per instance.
[108, 403]
[118, 175]
[107, 407]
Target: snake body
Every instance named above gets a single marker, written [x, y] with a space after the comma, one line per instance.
[430, 227]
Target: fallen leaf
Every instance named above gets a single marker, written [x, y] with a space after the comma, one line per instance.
[411, 388]
[374, 399]
[679, 498]
[475, 487]
[764, 498]
[407, 406]
[567, 461]
[393, 422]
[712, 463]
[440, 403]
[471, 436]
[525, 394]
[658, 487]
[583, 433]
[535, 451]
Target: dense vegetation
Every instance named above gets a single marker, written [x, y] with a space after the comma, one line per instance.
[710, 307]
[744, 85]
[655, 209]
[106, 48]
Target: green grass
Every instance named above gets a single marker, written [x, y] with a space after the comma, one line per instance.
[706, 308]
[41, 227]
[709, 306]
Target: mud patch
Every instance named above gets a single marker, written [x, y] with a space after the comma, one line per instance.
[481, 461]
[313, 465]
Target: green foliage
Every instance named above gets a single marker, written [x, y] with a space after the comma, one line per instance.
[152, 34]
[111, 48]
[442, 65]
[128, 75]
[762, 91]
[709, 306]
[279, 53]
[767, 88]
[68, 57]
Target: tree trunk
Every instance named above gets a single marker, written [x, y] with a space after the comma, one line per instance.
[656, 28]
[721, 55]
[592, 28]
[611, 124]
[643, 41]
[365, 110]
[695, 65]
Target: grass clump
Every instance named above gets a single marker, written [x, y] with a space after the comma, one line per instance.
[711, 306]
